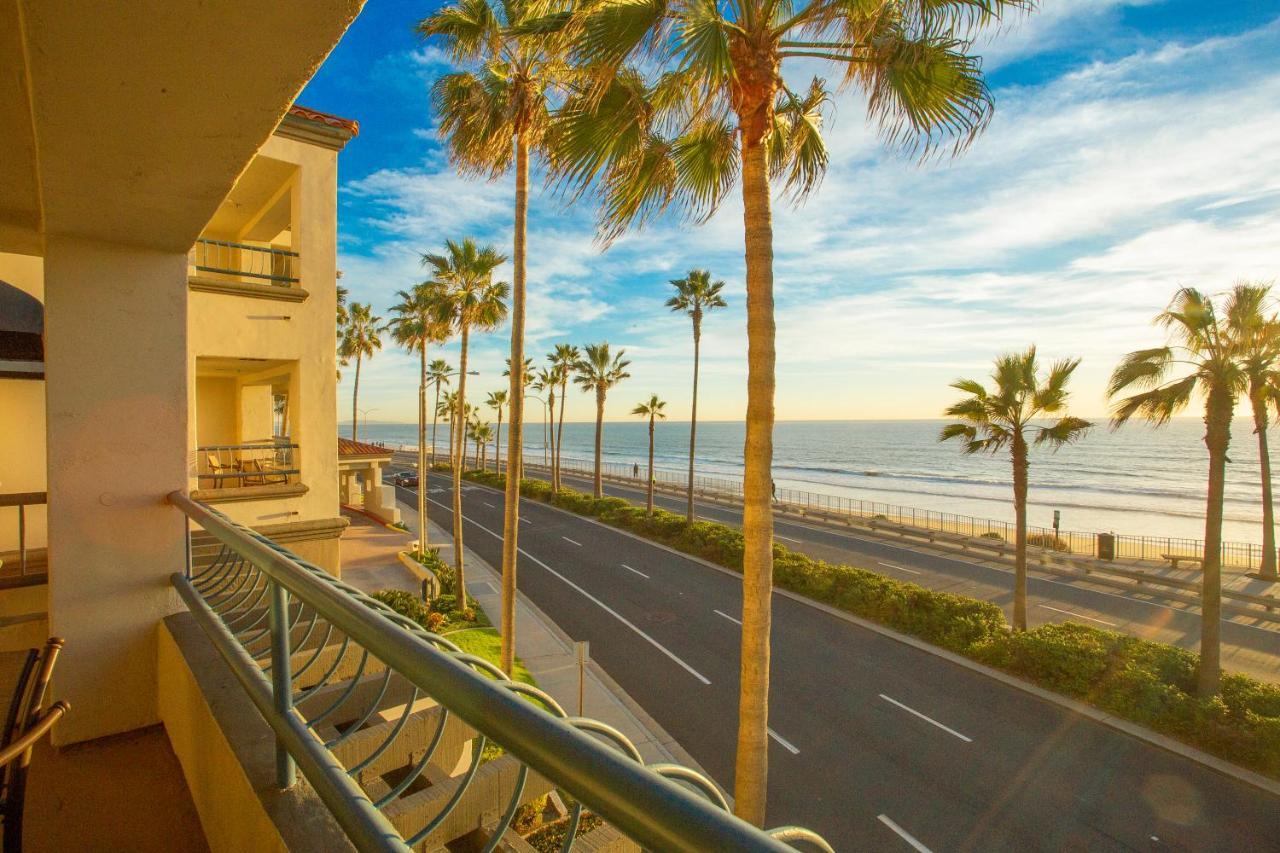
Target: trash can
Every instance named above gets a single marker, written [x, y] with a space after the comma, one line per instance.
[1106, 546]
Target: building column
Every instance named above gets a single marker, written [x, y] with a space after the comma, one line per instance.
[116, 378]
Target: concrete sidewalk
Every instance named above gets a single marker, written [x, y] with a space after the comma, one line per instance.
[546, 650]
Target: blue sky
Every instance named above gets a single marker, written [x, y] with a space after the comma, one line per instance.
[1136, 148]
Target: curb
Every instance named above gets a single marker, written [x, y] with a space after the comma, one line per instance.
[1168, 744]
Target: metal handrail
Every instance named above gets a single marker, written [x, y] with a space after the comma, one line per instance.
[224, 252]
[22, 500]
[240, 464]
[645, 803]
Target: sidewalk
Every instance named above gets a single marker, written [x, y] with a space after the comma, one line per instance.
[546, 651]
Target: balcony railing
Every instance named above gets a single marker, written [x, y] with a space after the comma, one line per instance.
[26, 562]
[246, 261]
[229, 466]
[395, 727]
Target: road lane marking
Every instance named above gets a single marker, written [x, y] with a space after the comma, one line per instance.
[489, 505]
[1078, 615]
[525, 521]
[615, 614]
[910, 710]
[570, 541]
[788, 538]
[727, 616]
[637, 571]
[783, 742]
[903, 834]
[899, 568]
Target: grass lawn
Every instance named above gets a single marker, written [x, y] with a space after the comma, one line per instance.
[484, 643]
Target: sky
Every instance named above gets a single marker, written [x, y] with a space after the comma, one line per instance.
[1135, 149]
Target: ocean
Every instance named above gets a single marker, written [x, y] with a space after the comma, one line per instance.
[1137, 480]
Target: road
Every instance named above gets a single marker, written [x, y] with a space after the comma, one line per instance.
[876, 744]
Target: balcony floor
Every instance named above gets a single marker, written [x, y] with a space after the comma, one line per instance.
[124, 792]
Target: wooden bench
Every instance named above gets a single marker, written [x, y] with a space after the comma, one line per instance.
[1175, 559]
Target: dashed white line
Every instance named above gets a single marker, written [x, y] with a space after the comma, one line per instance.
[788, 538]
[783, 742]
[1077, 615]
[900, 568]
[637, 571]
[903, 834]
[615, 614]
[930, 720]
[489, 505]
[525, 521]
[570, 541]
[727, 616]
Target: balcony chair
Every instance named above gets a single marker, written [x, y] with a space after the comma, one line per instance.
[24, 676]
[216, 470]
[260, 472]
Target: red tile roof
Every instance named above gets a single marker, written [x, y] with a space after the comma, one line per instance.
[347, 447]
[348, 124]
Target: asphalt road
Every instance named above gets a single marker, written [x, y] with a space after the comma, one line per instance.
[877, 745]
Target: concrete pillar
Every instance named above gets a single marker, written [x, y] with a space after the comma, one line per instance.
[116, 370]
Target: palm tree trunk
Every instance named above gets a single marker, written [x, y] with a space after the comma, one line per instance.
[355, 398]
[435, 419]
[598, 491]
[752, 766]
[693, 417]
[1020, 535]
[458, 440]
[649, 501]
[497, 445]
[422, 453]
[1267, 569]
[1217, 439]
[515, 434]
[564, 387]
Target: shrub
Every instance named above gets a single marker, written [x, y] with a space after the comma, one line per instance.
[991, 534]
[1049, 541]
[435, 621]
[405, 603]
[444, 572]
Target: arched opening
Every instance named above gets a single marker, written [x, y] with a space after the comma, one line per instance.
[21, 334]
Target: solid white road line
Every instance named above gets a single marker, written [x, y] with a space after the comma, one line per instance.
[1077, 615]
[637, 571]
[900, 568]
[910, 710]
[525, 521]
[570, 541]
[727, 616]
[783, 742]
[489, 505]
[788, 538]
[615, 614]
[903, 834]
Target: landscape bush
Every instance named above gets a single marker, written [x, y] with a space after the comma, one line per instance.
[1152, 684]
[1048, 540]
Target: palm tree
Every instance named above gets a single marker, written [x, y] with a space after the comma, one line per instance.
[651, 409]
[564, 360]
[1256, 335]
[715, 106]
[493, 117]
[496, 400]
[471, 299]
[695, 294]
[415, 326]
[599, 370]
[526, 378]
[1200, 356]
[547, 380]
[343, 317]
[360, 340]
[438, 373]
[1003, 418]
[483, 434]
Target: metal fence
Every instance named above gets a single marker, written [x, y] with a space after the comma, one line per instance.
[261, 463]
[407, 739]
[23, 558]
[245, 260]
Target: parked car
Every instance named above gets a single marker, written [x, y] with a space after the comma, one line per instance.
[407, 479]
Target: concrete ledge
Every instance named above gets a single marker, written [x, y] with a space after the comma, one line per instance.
[249, 289]
[249, 493]
[420, 572]
[227, 753]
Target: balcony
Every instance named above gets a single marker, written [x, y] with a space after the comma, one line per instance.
[239, 472]
[261, 271]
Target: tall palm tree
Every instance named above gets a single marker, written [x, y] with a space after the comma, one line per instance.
[1003, 419]
[415, 326]
[1255, 329]
[683, 99]
[494, 115]
[1200, 356]
[599, 370]
[343, 317]
[360, 340]
[496, 400]
[651, 409]
[695, 295]
[471, 300]
[564, 360]
[438, 373]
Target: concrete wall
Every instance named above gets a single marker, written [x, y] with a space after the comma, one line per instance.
[215, 410]
[115, 355]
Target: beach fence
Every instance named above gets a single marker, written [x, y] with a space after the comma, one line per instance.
[1243, 556]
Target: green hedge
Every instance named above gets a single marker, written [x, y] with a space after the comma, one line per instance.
[1152, 684]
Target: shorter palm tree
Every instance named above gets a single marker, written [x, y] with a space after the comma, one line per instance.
[599, 370]
[991, 421]
[651, 409]
[495, 401]
[360, 340]
[564, 361]
[438, 373]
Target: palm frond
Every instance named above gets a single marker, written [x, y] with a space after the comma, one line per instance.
[1145, 368]
[1158, 405]
[1063, 431]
